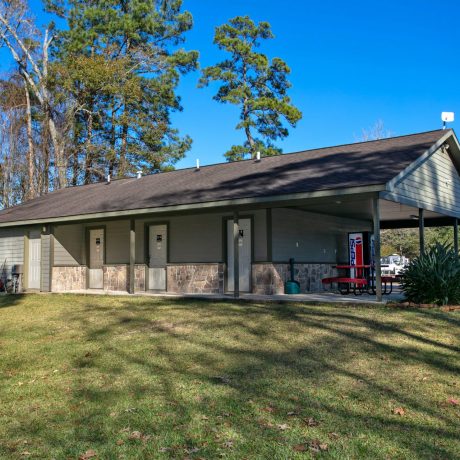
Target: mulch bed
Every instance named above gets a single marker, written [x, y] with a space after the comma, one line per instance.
[423, 305]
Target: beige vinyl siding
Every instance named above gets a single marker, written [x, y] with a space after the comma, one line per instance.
[435, 185]
[311, 237]
[11, 248]
[68, 244]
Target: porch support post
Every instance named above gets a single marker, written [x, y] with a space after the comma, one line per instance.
[132, 254]
[47, 258]
[378, 267]
[456, 236]
[51, 256]
[421, 231]
[236, 255]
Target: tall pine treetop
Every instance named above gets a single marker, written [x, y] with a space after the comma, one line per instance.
[256, 84]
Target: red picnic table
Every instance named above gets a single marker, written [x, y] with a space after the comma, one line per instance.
[357, 279]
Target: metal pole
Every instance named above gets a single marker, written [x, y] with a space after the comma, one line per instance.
[378, 266]
[421, 231]
[456, 236]
[132, 254]
[236, 256]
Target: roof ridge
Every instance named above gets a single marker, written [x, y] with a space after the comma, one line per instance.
[220, 167]
[264, 158]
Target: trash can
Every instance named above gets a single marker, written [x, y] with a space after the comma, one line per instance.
[292, 286]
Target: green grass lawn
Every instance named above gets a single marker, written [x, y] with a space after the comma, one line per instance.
[139, 378]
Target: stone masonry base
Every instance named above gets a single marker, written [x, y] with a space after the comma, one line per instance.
[68, 279]
[116, 277]
[204, 278]
[269, 278]
[139, 277]
[195, 278]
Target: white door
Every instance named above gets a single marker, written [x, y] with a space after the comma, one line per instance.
[96, 258]
[158, 257]
[244, 245]
[35, 257]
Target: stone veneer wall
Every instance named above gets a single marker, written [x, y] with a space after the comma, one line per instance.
[71, 278]
[269, 278]
[195, 278]
[116, 277]
[139, 277]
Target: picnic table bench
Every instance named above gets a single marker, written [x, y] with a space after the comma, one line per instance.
[355, 283]
[363, 280]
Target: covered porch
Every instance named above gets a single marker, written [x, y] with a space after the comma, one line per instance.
[194, 253]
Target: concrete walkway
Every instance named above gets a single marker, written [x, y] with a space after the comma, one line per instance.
[320, 297]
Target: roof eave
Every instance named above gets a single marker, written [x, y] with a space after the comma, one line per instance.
[269, 201]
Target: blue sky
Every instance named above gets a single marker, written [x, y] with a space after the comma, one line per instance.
[352, 64]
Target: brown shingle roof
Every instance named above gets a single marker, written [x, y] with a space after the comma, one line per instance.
[345, 166]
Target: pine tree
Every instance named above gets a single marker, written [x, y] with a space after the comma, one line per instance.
[122, 65]
[254, 83]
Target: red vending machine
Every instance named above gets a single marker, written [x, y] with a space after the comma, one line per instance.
[361, 251]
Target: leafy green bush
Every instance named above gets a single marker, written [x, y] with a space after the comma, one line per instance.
[433, 277]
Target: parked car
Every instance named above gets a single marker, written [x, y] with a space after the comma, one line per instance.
[394, 264]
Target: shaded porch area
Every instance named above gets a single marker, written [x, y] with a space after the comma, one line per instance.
[240, 253]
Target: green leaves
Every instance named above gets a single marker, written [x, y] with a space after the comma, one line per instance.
[433, 277]
[248, 79]
[118, 66]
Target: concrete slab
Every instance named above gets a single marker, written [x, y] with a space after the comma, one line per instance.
[320, 297]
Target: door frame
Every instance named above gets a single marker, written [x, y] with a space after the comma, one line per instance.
[225, 220]
[147, 226]
[88, 250]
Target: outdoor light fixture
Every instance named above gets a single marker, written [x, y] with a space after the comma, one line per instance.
[414, 217]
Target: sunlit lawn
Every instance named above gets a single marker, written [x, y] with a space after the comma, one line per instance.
[115, 377]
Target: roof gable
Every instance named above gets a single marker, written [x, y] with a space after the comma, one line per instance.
[431, 183]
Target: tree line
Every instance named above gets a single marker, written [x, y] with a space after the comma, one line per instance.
[92, 94]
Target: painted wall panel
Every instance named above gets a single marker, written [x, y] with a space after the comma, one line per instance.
[68, 244]
[117, 241]
[311, 237]
[70, 247]
[195, 238]
[260, 235]
[198, 238]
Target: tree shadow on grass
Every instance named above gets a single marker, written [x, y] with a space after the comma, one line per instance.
[10, 300]
[199, 374]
